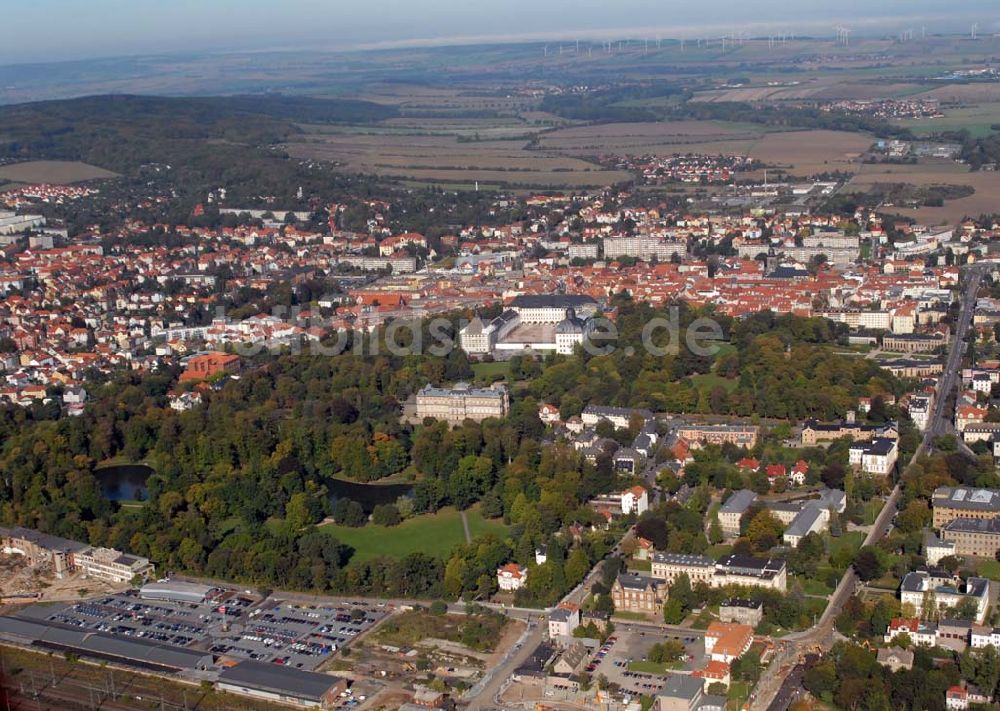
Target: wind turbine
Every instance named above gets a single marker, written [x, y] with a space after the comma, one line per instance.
[975, 30]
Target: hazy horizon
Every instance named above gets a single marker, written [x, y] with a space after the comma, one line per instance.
[65, 30]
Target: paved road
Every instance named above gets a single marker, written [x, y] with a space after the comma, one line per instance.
[775, 692]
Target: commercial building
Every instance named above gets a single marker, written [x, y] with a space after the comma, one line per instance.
[949, 503]
[463, 402]
[176, 591]
[102, 647]
[282, 684]
[973, 537]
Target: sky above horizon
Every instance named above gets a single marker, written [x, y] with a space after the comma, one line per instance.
[58, 30]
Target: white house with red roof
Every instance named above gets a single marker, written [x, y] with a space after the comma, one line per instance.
[635, 500]
[512, 577]
[548, 414]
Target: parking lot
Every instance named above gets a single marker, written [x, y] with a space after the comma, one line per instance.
[633, 645]
[226, 623]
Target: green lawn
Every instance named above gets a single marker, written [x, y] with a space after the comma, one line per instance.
[739, 692]
[811, 586]
[988, 568]
[632, 616]
[851, 540]
[872, 510]
[719, 550]
[436, 534]
[489, 371]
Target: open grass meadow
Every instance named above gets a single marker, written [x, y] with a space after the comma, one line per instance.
[435, 534]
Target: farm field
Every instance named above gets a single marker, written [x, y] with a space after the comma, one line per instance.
[662, 138]
[974, 119]
[809, 152]
[444, 159]
[54, 172]
[435, 534]
[986, 185]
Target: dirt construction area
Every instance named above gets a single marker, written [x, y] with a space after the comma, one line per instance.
[21, 582]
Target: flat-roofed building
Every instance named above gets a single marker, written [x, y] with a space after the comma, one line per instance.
[282, 684]
[973, 537]
[176, 591]
[463, 402]
[951, 502]
[643, 247]
[99, 646]
[114, 566]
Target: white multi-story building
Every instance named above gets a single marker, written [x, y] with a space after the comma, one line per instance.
[922, 588]
[920, 410]
[746, 571]
[877, 457]
[585, 250]
[551, 308]
[463, 402]
[114, 566]
[643, 247]
[563, 620]
[635, 500]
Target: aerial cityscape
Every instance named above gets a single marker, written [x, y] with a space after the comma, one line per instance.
[543, 358]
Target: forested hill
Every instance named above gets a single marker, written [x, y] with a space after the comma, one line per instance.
[207, 141]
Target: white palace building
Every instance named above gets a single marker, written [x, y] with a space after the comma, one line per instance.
[540, 323]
